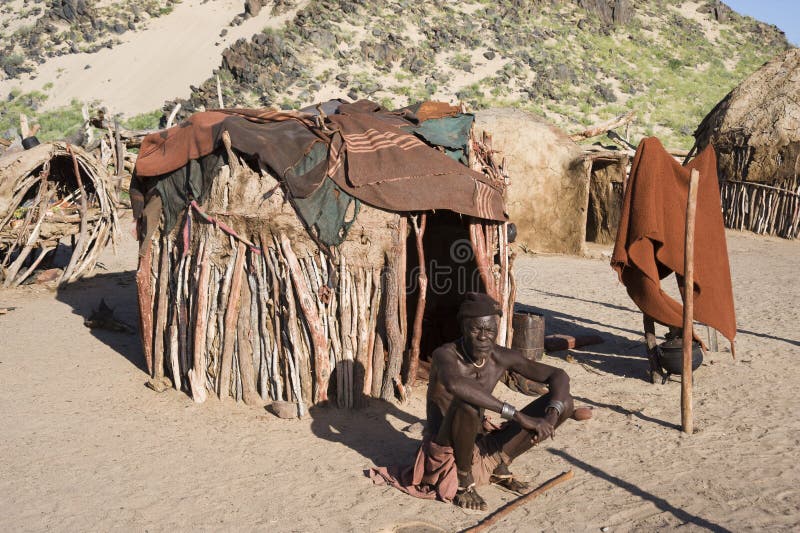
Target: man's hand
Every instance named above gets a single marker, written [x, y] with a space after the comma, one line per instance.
[541, 428]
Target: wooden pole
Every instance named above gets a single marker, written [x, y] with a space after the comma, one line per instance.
[197, 374]
[501, 513]
[219, 94]
[687, 424]
[416, 338]
[230, 332]
[319, 340]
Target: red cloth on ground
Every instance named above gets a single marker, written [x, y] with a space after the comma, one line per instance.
[651, 238]
[433, 475]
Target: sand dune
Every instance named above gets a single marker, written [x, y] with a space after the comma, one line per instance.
[152, 65]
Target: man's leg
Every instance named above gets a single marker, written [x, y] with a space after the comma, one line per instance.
[459, 429]
[512, 440]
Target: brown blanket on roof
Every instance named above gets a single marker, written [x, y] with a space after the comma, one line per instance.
[380, 164]
[651, 238]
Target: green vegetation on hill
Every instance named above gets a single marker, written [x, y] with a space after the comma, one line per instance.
[671, 61]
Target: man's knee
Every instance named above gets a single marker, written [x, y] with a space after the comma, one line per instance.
[467, 413]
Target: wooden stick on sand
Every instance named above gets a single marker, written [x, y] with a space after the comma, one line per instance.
[511, 506]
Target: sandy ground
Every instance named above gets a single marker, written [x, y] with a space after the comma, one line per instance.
[152, 65]
[85, 446]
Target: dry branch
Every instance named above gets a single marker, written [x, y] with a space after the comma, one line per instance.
[601, 129]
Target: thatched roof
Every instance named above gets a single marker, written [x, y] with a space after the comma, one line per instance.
[756, 127]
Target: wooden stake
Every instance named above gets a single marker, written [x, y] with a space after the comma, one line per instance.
[197, 374]
[322, 368]
[374, 308]
[172, 115]
[416, 338]
[161, 317]
[144, 291]
[687, 422]
[247, 373]
[394, 335]
[231, 315]
[219, 93]
[501, 513]
[81, 244]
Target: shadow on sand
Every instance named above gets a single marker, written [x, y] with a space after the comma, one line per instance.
[119, 292]
[660, 503]
[369, 431]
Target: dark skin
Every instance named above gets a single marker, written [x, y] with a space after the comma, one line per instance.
[463, 376]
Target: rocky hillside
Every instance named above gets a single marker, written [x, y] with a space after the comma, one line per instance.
[34, 30]
[576, 62]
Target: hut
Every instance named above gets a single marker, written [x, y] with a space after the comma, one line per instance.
[300, 256]
[561, 194]
[56, 212]
[755, 131]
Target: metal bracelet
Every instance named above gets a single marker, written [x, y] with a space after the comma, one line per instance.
[508, 411]
[557, 405]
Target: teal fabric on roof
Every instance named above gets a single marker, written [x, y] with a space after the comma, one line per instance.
[451, 133]
[325, 211]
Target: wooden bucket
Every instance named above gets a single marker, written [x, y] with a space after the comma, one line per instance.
[529, 335]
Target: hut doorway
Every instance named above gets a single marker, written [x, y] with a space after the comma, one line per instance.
[608, 175]
[451, 271]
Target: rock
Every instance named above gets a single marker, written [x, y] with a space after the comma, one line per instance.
[605, 92]
[287, 410]
[489, 55]
[252, 7]
[118, 28]
[610, 12]
[224, 32]
[46, 276]
[352, 94]
[717, 9]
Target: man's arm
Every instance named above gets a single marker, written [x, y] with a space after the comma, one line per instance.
[557, 380]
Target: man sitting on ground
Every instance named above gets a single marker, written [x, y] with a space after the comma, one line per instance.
[462, 377]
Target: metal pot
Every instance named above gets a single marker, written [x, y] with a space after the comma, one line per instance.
[670, 355]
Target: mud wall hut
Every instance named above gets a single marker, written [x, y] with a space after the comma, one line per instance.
[755, 130]
[57, 213]
[560, 194]
[278, 263]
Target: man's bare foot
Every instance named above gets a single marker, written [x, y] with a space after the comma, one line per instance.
[468, 498]
[502, 477]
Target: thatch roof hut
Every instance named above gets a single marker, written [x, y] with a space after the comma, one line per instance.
[755, 130]
[279, 263]
[55, 205]
[561, 195]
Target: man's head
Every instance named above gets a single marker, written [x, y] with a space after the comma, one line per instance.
[477, 317]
